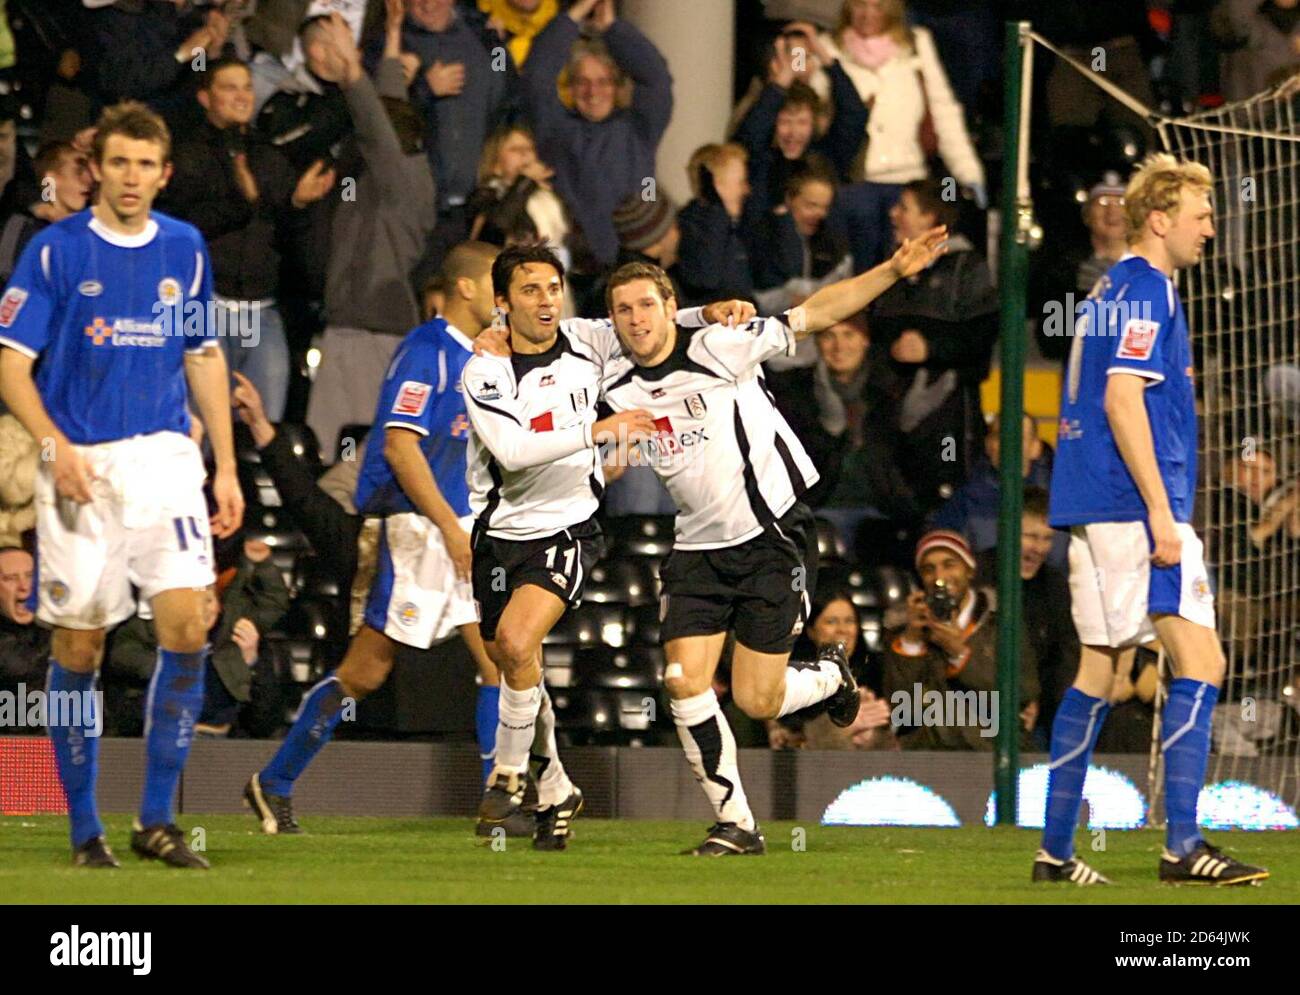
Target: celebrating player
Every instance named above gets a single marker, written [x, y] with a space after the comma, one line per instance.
[745, 554]
[1124, 485]
[115, 301]
[414, 477]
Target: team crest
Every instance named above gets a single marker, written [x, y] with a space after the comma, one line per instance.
[412, 398]
[579, 398]
[58, 592]
[695, 406]
[1139, 339]
[169, 292]
[1201, 590]
[408, 614]
[14, 299]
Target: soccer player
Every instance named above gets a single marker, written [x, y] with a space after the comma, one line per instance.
[1124, 486]
[744, 557]
[107, 334]
[414, 476]
[536, 479]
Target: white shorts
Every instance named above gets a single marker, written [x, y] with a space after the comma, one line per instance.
[147, 525]
[1115, 588]
[416, 597]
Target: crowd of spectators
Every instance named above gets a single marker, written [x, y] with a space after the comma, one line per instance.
[334, 152]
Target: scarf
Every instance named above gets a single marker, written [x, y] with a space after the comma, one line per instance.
[871, 51]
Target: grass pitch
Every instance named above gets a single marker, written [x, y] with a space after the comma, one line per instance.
[440, 861]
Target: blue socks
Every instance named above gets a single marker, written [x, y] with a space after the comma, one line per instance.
[173, 707]
[1075, 729]
[485, 724]
[312, 729]
[76, 746]
[1185, 728]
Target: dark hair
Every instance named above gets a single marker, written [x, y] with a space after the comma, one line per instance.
[811, 169]
[1035, 502]
[629, 272]
[929, 197]
[49, 158]
[133, 120]
[209, 76]
[799, 95]
[805, 649]
[505, 264]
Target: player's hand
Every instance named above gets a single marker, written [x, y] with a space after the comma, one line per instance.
[493, 341]
[910, 347]
[626, 426]
[457, 543]
[246, 637]
[729, 312]
[1167, 545]
[72, 474]
[314, 184]
[247, 403]
[230, 504]
[445, 79]
[915, 254]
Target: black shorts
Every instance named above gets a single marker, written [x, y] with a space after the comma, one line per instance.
[759, 589]
[559, 563]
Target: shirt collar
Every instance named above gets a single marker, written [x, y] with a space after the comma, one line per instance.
[124, 241]
[460, 337]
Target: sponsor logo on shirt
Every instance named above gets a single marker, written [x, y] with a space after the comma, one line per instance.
[547, 381]
[459, 425]
[658, 392]
[542, 423]
[11, 304]
[487, 390]
[126, 332]
[1138, 339]
[560, 581]
[412, 398]
[91, 288]
[1069, 428]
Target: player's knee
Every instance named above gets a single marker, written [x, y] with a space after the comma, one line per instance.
[514, 650]
[757, 702]
[78, 651]
[187, 635]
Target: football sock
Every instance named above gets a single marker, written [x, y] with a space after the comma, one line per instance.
[320, 712]
[711, 751]
[76, 747]
[1185, 728]
[173, 707]
[1075, 729]
[553, 784]
[485, 724]
[516, 727]
[807, 683]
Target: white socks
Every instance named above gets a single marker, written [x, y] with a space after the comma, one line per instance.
[516, 722]
[808, 683]
[710, 749]
[553, 784]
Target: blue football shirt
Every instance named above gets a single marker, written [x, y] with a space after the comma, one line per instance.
[421, 392]
[108, 318]
[1132, 323]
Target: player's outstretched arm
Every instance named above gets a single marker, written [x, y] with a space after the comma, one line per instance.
[402, 450]
[1126, 411]
[18, 392]
[205, 372]
[845, 298]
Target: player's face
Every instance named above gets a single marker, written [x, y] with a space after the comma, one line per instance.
[942, 565]
[482, 305]
[908, 219]
[130, 176]
[836, 624]
[1189, 228]
[809, 207]
[794, 130]
[1035, 545]
[229, 101]
[534, 302]
[15, 585]
[643, 319]
[843, 348]
[72, 183]
[594, 88]
[516, 154]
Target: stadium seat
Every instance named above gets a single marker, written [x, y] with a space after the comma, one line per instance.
[640, 535]
[604, 715]
[557, 665]
[831, 548]
[308, 618]
[286, 546]
[312, 577]
[873, 630]
[591, 624]
[626, 668]
[257, 485]
[302, 441]
[629, 581]
[644, 621]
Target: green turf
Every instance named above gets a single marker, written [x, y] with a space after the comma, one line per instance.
[439, 860]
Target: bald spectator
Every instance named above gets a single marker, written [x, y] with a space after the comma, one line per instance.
[603, 148]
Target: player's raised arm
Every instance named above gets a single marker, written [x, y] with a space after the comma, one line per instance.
[1126, 411]
[498, 421]
[208, 379]
[845, 298]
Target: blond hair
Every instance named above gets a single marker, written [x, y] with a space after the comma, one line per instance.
[713, 157]
[1157, 185]
[895, 12]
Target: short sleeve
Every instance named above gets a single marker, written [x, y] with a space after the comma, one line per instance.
[199, 292]
[738, 349]
[29, 302]
[411, 391]
[1137, 326]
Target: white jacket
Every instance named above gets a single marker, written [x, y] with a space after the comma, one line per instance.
[894, 153]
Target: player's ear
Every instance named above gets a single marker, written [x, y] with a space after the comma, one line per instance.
[466, 288]
[670, 307]
[166, 174]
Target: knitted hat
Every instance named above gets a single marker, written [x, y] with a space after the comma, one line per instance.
[641, 223]
[944, 539]
[1110, 183]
